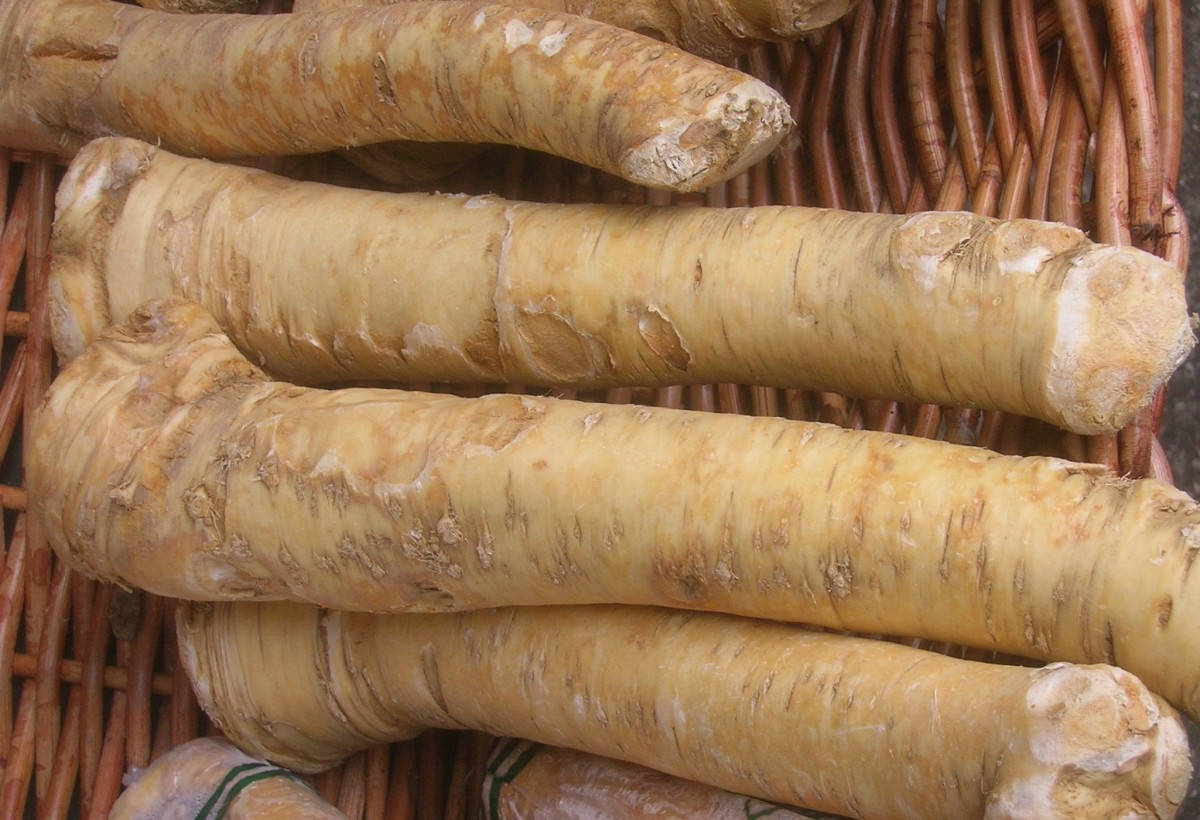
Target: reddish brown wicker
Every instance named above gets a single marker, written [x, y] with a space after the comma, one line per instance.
[1065, 110]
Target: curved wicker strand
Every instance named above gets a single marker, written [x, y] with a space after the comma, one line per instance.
[1168, 84]
[894, 160]
[920, 49]
[1083, 49]
[50, 654]
[12, 592]
[999, 77]
[57, 801]
[864, 168]
[111, 765]
[1111, 192]
[1128, 53]
[141, 668]
[1028, 57]
[964, 101]
[400, 804]
[822, 144]
[1065, 203]
[92, 686]
[37, 373]
[1040, 193]
[14, 785]
[13, 241]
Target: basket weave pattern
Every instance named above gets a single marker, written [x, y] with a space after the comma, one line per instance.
[1068, 110]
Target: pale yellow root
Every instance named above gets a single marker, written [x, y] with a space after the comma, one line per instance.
[199, 774]
[846, 725]
[716, 29]
[236, 85]
[323, 284]
[163, 459]
[524, 778]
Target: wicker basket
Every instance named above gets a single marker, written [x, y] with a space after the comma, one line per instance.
[1004, 108]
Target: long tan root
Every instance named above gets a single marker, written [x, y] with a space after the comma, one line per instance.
[323, 284]
[238, 85]
[162, 458]
[865, 728]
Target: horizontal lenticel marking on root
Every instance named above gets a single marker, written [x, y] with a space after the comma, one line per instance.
[244, 85]
[323, 284]
[162, 458]
[856, 727]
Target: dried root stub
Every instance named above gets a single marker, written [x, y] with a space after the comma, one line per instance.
[162, 458]
[323, 284]
[522, 777]
[716, 29]
[207, 779]
[846, 725]
[244, 85]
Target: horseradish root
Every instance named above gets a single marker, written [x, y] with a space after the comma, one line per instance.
[845, 725]
[450, 71]
[716, 29]
[208, 779]
[162, 458]
[325, 284]
[523, 778]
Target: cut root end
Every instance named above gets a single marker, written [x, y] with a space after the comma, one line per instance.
[1099, 745]
[1122, 330]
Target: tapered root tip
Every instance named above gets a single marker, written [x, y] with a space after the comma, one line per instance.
[95, 183]
[738, 129]
[1100, 745]
[1122, 329]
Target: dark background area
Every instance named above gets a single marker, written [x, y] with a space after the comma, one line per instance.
[1180, 434]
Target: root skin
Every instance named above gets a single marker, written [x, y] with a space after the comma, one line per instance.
[856, 727]
[162, 458]
[242, 85]
[321, 284]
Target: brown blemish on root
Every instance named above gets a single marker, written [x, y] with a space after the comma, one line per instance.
[427, 597]
[839, 577]
[558, 350]
[383, 81]
[1165, 606]
[684, 578]
[660, 336]
[482, 348]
